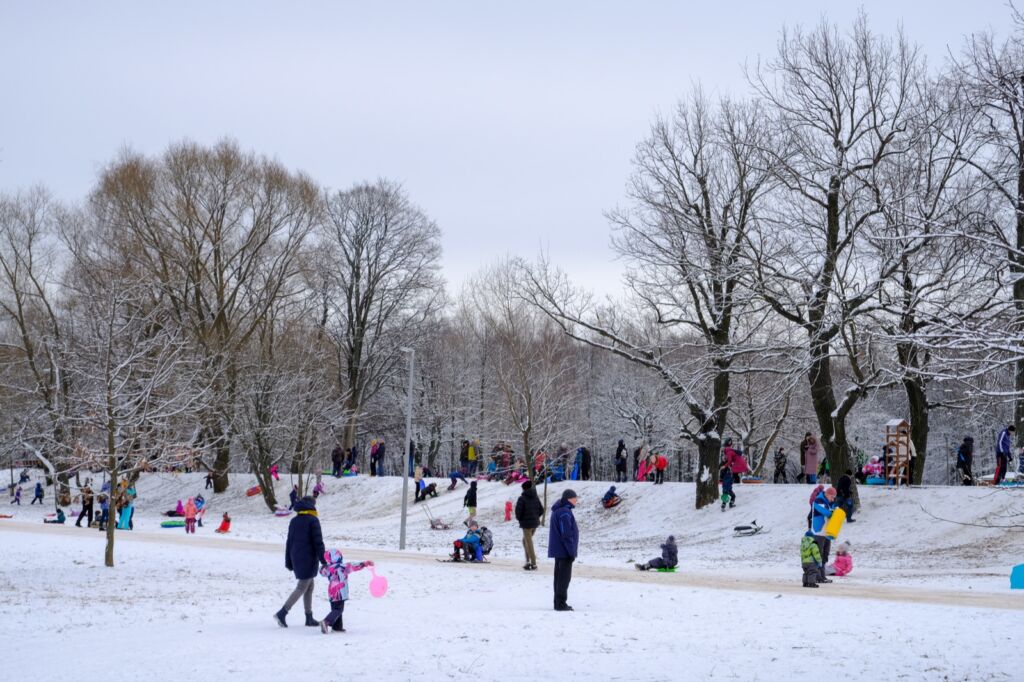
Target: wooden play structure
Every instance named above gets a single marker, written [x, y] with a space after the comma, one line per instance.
[897, 441]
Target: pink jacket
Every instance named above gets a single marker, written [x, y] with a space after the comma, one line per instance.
[737, 465]
[843, 564]
[190, 509]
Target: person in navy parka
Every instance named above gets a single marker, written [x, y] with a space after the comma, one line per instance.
[303, 555]
[563, 544]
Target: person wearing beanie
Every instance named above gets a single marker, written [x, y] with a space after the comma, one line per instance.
[669, 556]
[529, 511]
[303, 553]
[821, 512]
[1004, 446]
[469, 501]
[563, 544]
[810, 559]
[611, 498]
[965, 458]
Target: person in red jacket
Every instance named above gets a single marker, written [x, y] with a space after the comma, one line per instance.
[660, 464]
[734, 460]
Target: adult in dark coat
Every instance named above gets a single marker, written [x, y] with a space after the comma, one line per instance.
[844, 494]
[585, 464]
[620, 462]
[303, 554]
[563, 544]
[528, 513]
[470, 499]
[965, 459]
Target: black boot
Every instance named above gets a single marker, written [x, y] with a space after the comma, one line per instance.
[338, 626]
[311, 622]
[279, 618]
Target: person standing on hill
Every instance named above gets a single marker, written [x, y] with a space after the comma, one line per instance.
[620, 462]
[585, 464]
[780, 466]
[964, 460]
[660, 464]
[563, 545]
[1004, 446]
[637, 454]
[469, 501]
[529, 511]
[38, 497]
[86, 507]
[303, 554]
[809, 452]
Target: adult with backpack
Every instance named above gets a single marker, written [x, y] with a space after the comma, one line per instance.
[529, 511]
[563, 545]
[965, 459]
[303, 554]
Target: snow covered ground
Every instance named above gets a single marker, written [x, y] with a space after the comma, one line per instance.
[180, 605]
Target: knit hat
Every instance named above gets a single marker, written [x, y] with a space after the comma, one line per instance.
[830, 492]
[568, 494]
[671, 538]
[527, 485]
[809, 534]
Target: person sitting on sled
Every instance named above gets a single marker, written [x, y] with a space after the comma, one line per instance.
[468, 548]
[610, 499]
[669, 556]
[225, 524]
[843, 563]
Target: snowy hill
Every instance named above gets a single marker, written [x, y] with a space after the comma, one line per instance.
[894, 537]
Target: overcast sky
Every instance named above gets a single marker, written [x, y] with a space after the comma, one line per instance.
[511, 123]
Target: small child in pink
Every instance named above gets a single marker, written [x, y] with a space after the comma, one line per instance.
[190, 516]
[843, 563]
[337, 572]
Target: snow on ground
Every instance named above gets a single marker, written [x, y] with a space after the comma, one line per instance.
[180, 605]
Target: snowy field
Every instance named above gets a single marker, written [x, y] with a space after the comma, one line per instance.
[180, 606]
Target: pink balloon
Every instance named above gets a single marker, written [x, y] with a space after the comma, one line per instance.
[378, 584]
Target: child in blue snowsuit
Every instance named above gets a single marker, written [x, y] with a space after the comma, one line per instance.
[337, 572]
[725, 475]
[39, 494]
[470, 544]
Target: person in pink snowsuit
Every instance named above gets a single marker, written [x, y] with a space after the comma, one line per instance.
[190, 516]
[843, 563]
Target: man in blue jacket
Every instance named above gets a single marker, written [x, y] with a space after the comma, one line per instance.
[1004, 447]
[303, 554]
[563, 543]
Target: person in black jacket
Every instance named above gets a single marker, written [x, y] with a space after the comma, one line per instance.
[529, 511]
[620, 462]
[669, 556]
[844, 494]
[965, 459]
[470, 499]
[303, 554]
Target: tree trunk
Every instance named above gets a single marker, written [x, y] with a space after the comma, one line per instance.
[831, 423]
[918, 403]
[108, 554]
[709, 450]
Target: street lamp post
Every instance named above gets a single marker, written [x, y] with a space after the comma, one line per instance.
[408, 447]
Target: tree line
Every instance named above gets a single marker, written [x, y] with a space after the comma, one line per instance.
[844, 240]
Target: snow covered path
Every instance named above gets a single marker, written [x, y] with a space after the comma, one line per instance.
[179, 607]
[842, 589]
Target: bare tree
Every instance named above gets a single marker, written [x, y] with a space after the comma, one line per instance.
[220, 231]
[697, 184]
[381, 283]
[34, 365]
[842, 109]
[992, 75]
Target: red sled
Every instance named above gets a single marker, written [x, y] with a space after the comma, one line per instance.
[255, 490]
